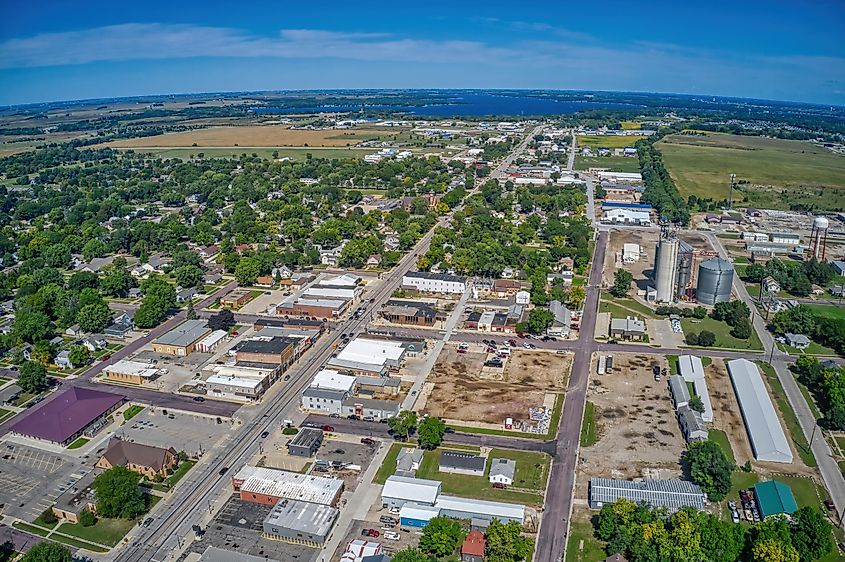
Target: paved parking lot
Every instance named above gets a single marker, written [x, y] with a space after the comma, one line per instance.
[187, 432]
[347, 452]
[32, 479]
[237, 527]
[406, 538]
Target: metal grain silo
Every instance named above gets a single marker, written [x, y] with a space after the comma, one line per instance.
[666, 266]
[686, 256]
[715, 277]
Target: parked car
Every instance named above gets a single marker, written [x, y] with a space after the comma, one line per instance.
[392, 535]
[368, 441]
[105, 357]
[829, 505]
[353, 417]
[369, 533]
[147, 522]
[223, 470]
[386, 519]
[327, 427]
[498, 485]
[199, 399]
[264, 434]
[449, 430]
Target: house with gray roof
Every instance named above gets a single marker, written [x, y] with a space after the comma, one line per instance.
[462, 463]
[692, 425]
[408, 461]
[502, 471]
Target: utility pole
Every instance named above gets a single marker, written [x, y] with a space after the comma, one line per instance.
[731, 192]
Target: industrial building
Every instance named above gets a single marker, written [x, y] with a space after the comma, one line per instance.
[441, 283]
[774, 498]
[328, 379]
[267, 486]
[630, 253]
[367, 356]
[306, 443]
[420, 500]
[670, 494]
[666, 265]
[300, 522]
[182, 340]
[627, 216]
[768, 440]
[130, 372]
[715, 278]
[462, 463]
[692, 370]
[627, 328]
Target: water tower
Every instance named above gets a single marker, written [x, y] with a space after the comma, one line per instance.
[818, 238]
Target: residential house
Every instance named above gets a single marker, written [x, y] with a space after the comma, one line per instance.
[408, 461]
[146, 460]
[74, 330]
[120, 326]
[562, 323]
[462, 463]
[186, 295]
[502, 471]
[627, 328]
[95, 343]
[770, 285]
[798, 341]
[62, 360]
[472, 550]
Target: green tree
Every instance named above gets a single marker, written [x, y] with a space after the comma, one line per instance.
[223, 320]
[742, 329]
[696, 404]
[441, 536]
[709, 468]
[32, 326]
[83, 280]
[93, 317]
[47, 552]
[79, 355]
[505, 542]
[621, 283]
[410, 554]
[57, 255]
[118, 494]
[247, 271]
[188, 276]
[32, 377]
[431, 431]
[770, 550]
[94, 248]
[87, 519]
[706, 338]
[539, 319]
[812, 534]
[117, 283]
[403, 423]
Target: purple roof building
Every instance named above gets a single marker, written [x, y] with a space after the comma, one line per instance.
[68, 415]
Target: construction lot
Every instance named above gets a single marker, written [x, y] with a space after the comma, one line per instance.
[460, 388]
[635, 421]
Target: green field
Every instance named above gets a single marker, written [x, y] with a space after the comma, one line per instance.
[590, 430]
[612, 163]
[829, 311]
[608, 141]
[5, 414]
[104, 531]
[624, 307]
[721, 438]
[774, 173]
[723, 333]
[788, 414]
[532, 469]
[582, 545]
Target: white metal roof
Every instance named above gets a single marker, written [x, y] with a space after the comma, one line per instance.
[213, 338]
[481, 507]
[332, 380]
[240, 382]
[692, 369]
[374, 352]
[125, 367]
[342, 280]
[411, 489]
[417, 511]
[761, 421]
[290, 485]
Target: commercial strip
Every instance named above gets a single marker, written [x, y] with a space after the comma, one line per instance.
[268, 485]
[130, 372]
[182, 340]
[439, 283]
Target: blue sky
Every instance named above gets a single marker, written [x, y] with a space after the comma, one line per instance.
[59, 50]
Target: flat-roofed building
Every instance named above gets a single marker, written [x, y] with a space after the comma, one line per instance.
[329, 379]
[272, 350]
[373, 351]
[268, 485]
[322, 308]
[210, 342]
[399, 490]
[324, 401]
[77, 498]
[427, 282]
[306, 443]
[130, 372]
[302, 324]
[182, 340]
[299, 522]
[235, 299]
[409, 313]
[233, 387]
[369, 407]
[671, 494]
[378, 385]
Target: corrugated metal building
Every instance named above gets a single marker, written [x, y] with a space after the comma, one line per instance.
[671, 494]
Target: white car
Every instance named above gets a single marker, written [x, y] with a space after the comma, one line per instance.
[392, 535]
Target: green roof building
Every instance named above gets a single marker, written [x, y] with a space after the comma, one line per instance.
[773, 498]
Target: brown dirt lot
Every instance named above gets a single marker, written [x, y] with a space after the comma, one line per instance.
[637, 420]
[257, 136]
[647, 239]
[465, 391]
[726, 413]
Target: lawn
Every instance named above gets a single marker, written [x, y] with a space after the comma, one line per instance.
[612, 163]
[78, 443]
[532, 469]
[592, 550]
[788, 415]
[633, 307]
[773, 173]
[829, 311]
[722, 331]
[5, 414]
[104, 531]
[721, 438]
[590, 430]
[477, 487]
[608, 141]
[57, 538]
[388, 467]
[181, 471]
[132, 411]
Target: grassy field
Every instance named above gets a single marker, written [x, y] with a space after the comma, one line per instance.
[472, 486]
[590, 430]
[788, 415]
[625, 306]
[608, 141]
[5, 414]
[132, 411]
[388, 467]
[829, 311]
[78, 443]
[104, 531]
[721, 438]
[582, 545]
[631, 125]
[779, 173]
[612, 163]
[532, 469]
[723, 335]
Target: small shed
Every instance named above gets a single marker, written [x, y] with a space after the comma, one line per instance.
[773, 498]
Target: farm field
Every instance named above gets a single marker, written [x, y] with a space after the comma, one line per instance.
[296, 154]
[608, 141]
[774, 173]
[258, 136]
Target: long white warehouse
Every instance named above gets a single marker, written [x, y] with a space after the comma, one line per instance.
[761, 421]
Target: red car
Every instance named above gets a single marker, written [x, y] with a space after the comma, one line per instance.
[105, 357]
[498, 485]
[327, 428]
[369, 533]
